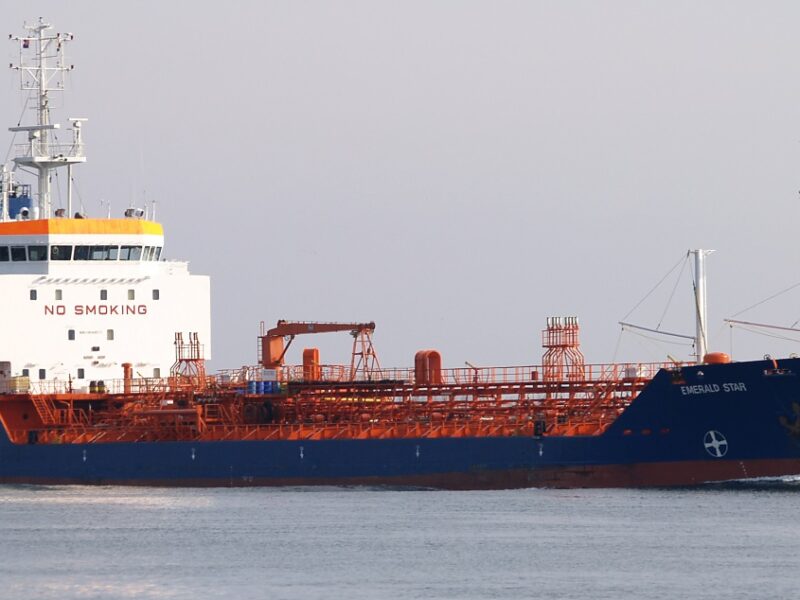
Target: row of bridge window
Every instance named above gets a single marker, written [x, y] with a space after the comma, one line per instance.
[66, 252]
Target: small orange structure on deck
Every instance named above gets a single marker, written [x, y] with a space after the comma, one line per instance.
[311, 367]
[428, 367]
[563, 358]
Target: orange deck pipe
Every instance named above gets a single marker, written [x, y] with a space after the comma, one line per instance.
[127, 376]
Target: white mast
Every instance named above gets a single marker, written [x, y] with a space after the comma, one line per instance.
[41, 75]
[701, 302]
[5, 188]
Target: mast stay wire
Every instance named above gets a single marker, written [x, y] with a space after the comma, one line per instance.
[656, 286]
[660, 340]
[674, 289]
[682, 262]
[772, 297]
[759, 303]
[19, 122]
[58, 188]
[77, 193]
[616, 347]
[653, 347]
[764, 333]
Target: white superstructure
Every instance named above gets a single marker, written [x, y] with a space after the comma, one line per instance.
[81, 296]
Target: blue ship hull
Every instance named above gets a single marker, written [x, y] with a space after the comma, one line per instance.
[715, 422]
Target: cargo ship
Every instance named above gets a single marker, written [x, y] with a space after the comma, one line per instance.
[103, 379]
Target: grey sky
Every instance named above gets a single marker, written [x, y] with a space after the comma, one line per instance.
[456, 171]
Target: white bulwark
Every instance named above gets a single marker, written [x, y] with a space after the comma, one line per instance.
[78, 296]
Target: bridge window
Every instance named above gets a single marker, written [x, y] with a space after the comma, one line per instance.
[59, 294]
[109, 334]
[130, 253]
[60, 252]
[156, 294]
[103, 294]
[26, 373]
[157, 253]
[37, 252]
[131, 294]
[42, 374]
[156, 372]
[148, 253]
[3, 253]
[33, 294]
[100, 253]
[71, 334]
[18, 253]
[81, 253]
[81, 374]
[104, 253]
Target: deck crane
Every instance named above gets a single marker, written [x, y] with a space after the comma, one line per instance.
[274, 343]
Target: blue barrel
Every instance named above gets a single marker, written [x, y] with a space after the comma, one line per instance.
[251, 387]
[268, 387]
[259, 387]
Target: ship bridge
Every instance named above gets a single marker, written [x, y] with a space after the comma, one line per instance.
[63, 245]
[81, 296]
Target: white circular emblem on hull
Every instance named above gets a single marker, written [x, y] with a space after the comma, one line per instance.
[715, 443]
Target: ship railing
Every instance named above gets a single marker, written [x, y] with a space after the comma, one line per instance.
[37, 148]
[49, 386]
[593, 373]
[343, 373]
[483, 375]
[150, 385]
[242, 375]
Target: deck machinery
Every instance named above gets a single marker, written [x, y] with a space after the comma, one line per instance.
[561, 397]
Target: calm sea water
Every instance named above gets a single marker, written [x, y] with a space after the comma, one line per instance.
[114, 542]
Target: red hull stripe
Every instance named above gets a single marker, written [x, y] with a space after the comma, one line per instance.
[667, 474]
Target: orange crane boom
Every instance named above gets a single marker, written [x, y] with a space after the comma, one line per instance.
[273, 347]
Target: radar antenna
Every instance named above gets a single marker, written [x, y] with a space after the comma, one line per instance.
[42, 67]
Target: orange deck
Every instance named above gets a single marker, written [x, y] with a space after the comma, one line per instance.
[468, 402]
